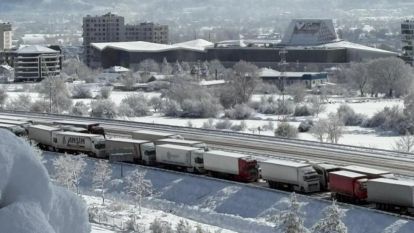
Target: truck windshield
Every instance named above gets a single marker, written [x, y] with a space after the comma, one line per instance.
[100, 145]
[310, 176]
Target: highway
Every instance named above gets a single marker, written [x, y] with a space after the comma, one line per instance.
[261, 146]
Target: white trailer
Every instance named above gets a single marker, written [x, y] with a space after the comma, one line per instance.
[182, 142]
[232, 165]
[130, 150]
[390, 194]
[190, 158]
[150, 135]
[371, 173]
[91, 144]
[290, 175]
[23, 124]
[42, 134]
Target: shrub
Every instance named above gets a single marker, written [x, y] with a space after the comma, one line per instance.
[239, 112]
[391, 119]
[103, 109]
[79, 109]
[302, 110]
[200, 108]
[239, 127]
[106, 92]
[171, 108]
[285, 130]
[305, 126]
[40, 106]
[224, 124]
[156, 103]
[21, 103]
[209, 124]
[134, 106]
[81, 92]
[349, 117]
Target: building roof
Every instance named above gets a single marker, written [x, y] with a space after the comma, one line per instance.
[143, 46]
[267, 72]
[35, 49]
[117, 69]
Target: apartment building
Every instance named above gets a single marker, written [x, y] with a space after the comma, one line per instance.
[407, 38]
[112, 28]
[5, 36]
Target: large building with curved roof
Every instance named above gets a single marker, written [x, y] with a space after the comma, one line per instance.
[305, 42]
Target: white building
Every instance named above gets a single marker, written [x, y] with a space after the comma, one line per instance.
[5, 36]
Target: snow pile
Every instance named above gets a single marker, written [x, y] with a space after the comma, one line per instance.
[28, 200]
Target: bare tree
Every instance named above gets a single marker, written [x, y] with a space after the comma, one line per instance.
[358, 77]
[138, 187]
[317, 105]
[405, 144]
[101, 177]
[244, 81]
[335, 128]
[390, 76]
[68, 171]
[331, 222]
[319, 130]
[297, 91]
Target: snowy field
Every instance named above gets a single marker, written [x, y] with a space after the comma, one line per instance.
[230, 206]
[356, 136]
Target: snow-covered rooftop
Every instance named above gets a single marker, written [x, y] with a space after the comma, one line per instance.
[35, 49]
[142, 46]
[117, 69]
[267, 72]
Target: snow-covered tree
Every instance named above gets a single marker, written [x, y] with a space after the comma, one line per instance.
[177, 69]
[3, 97]
[335, 127]
[158, 226]
[54, 89]
[68, 170]
[166, 67]
[103, 109]
[291, 220]
[138, 187]
[319, 130]
[135, 105]
[183, 227]
[317, 105]
[101, 177]
[331, 222]
[405, 144]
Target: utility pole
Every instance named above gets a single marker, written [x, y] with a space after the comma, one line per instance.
[283, 64]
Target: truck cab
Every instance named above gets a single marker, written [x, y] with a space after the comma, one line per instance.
[310, 180]
[148, 153]
[323, 170]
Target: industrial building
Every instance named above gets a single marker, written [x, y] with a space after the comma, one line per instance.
[112, 28]
[5, 36]
[407, 38]
[34, 63]
[305, 42]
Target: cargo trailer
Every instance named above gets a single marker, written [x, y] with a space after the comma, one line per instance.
[91, 127]
[371, 173]
[294, 176]
[130, 150]
[231, 165]
[42, 135]
[183, 157]
[348, 186]
[391, 194]
[90, 144]
[182, 142]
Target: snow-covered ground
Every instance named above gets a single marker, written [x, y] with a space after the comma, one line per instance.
[356, 136]
[227, 205]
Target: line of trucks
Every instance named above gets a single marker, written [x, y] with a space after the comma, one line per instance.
[355, 184]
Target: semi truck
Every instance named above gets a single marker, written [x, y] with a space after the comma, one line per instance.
[150, 135]
[182, 142]
[391, 194]
[130, 150]
[229, 165]
[371, 173]
[294, 176]
[53, 139]
[42, 135]
[323, 170]
[183, 157]
[348, 186]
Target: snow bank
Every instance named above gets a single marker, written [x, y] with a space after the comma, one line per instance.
[28, 200]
